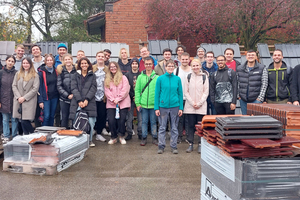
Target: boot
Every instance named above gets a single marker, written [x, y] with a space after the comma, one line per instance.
[190, 149]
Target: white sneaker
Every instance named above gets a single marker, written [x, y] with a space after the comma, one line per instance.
[100, 137]
[112, 141]
[133, 133]
[109, 134]
[104, 131]
[122, 140]
[92, 144]
[5, 140]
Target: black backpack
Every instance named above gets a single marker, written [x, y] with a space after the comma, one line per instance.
[81, 122]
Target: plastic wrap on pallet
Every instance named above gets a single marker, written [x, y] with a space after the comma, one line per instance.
[64, 151]
[263, 178]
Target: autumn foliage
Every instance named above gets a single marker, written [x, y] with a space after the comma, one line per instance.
[246, 22]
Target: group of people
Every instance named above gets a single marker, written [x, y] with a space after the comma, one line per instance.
[175, 93]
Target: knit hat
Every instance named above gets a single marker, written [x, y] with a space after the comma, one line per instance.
[62, 45]
[135, 60]
[201, 48]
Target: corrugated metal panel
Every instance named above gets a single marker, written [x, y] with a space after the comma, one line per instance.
[50, 47]
[173, 45]
[263, 50]
[164, 44]
[154, 47]
[266, 61]
[7, 48]
[219, 48]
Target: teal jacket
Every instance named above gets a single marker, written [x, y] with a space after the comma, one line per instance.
[146, 100]
[168, 92]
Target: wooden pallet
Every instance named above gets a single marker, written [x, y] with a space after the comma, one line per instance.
[29, 168]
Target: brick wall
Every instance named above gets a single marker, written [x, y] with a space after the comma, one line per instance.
[126, 24]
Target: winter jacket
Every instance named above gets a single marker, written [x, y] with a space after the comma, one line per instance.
[124, 68]
[168, 92]
[6, 93]
[82, 92]
[57, 61]
[211, 70]
[252, 84]
[29, 92]
[159, 68]
[64, 82]
[295, 85]
[146, 100]
[100, 77]
[223, 86]
[119, 93]
[132, 78]
[279, 82]
[142, 64]
[48, 84]
[196, 92]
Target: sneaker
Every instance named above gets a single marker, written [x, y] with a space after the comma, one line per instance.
[160, 151]
[109, 133]
[190, 149]
[92, 144]
[122, 140]
[100, 137]
[133, 133]
[104, 131]
[112, 141]
[174, 151]
[5, 140]
[199, 148]
[143, 142]
[128, 137]
[179, 140]
[155, 141]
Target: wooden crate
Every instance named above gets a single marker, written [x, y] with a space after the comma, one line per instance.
[29, 168]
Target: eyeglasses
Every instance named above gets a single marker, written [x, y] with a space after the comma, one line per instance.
[171, 66]
[220, 60]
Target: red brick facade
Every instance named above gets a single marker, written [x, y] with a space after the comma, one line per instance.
[126, 24]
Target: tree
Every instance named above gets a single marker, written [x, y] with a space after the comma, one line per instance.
[246, 22]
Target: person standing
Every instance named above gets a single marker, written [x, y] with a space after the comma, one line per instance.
[62, 49]
[180, 49]
[25, 88]
[132, 77]
[231, 63]
[252, 81]
[223, 88]
[124, 62]
[6, 98]
[83, 88]
[168, 102]
[144, 53]
[196, 92]
[48, 97]
[37, 59]
[144, 100]
[20, 50]
[201, 54]
[160, 68]
[64, 75]
[118, 101]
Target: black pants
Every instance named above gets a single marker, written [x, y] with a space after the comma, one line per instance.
[223, 109]
[65, 111]
[101, 116]
[27, 127]
[116, 125]
[37, 115]
[193, 119]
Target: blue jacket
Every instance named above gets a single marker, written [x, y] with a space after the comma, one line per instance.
[168, 92]
[210, 70]
[154, 60]
[57, 61]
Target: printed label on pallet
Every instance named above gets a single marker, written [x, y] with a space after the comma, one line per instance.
[211, 192]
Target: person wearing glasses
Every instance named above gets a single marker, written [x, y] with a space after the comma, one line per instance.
[223, 88]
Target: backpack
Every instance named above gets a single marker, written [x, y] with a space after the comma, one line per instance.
[81, 122]
[190, 74]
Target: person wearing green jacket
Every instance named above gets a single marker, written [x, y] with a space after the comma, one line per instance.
[168, 101]
[144, 100]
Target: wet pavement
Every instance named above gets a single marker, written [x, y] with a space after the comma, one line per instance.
[115, 172]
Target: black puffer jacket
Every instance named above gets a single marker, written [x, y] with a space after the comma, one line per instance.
[295, 86]
[6, 93]
[279, 83]
[83, 92]
[64, 83]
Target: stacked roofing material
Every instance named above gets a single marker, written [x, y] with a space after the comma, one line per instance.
[31, 155]
[289, 115]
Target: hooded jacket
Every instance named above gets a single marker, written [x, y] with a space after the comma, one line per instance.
[146, 100]
[124, 68]
[48, 84]
[211, 70]
[64, 82]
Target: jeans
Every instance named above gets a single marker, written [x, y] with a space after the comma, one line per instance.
[193, 119]
[116, 125]
[146, 115]
[49, 111]
[101, 116]
[14, 125]
[92, 121]
[27, 127]
[244, 105]
[182, 124]
[210, 107]
[163, 119]
[65, 111]
[130, 119]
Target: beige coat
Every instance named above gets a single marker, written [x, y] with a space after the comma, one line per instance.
[196, 92]
[29, 92]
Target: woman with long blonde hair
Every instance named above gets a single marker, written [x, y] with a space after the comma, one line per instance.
[65, 72]
[117, 92]
[25, 88]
